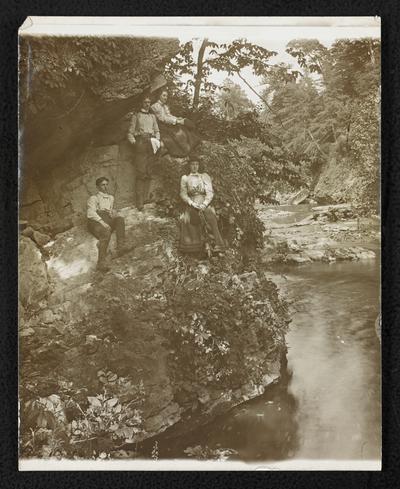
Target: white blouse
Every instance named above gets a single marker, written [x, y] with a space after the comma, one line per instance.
[163, 113]
[196, 187]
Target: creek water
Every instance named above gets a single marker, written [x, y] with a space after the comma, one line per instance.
[327, 403]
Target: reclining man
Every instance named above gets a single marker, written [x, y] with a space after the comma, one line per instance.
[103, 220]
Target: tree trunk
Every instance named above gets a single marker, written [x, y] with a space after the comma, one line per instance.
[198, 79]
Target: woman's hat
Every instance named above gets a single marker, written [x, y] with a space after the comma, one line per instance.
[194, 157]
[158, 82]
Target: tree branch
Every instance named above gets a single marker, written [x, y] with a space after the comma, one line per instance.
[317, 145]
[260, 97]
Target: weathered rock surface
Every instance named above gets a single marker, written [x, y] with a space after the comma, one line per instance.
[333, 212]
[90, 322]
[340, 181]
[39, 238]
[33, 280]
[298, 197]
[69, 145]
[324, 233]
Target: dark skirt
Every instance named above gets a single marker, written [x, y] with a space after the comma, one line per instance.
[199, 230]
[179, 140]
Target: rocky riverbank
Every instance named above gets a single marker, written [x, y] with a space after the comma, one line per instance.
[160, 336]
[306, 233]
[141, 335]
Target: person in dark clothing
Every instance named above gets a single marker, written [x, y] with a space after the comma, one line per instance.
[178, 135]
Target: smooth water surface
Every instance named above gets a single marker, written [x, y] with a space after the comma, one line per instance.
[334, 357]
[327, 404]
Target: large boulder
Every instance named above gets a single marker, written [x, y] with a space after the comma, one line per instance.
[72, 258]
[33, 280]
[118, 326]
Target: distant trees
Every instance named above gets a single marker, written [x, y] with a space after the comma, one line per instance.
[328, 111]
[229, 57]
[332, 111]
[232, 100]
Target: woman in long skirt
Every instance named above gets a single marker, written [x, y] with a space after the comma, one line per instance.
[199, 226]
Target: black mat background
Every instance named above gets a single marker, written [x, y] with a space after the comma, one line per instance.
[12, 15]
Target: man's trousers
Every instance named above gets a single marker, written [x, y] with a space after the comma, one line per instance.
[103, 234]
[144, 162]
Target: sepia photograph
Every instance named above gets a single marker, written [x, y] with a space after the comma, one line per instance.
[199, 243]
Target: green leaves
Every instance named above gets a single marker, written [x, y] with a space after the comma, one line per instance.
[107, 377]
[94, 402]
[230, 57]
[104, 419]
[222, 327]
[52, 68]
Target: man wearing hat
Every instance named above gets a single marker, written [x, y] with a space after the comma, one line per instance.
[103, 220]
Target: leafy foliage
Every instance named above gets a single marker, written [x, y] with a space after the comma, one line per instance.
[229, 57]
[232, 100]
[206, 453]
[60, 426]
[364, 147]
[76, 401]
[276, 167]
[309, 53]
[320, 114]
[223, 326]
[81, 395]
[53, 69]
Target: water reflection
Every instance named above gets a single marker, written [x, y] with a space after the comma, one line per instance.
[262, 429]
[327, 404]
[335, 356]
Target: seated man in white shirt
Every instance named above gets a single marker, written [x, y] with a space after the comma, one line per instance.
[103, 220]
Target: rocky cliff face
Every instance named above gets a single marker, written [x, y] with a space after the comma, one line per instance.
[80, 136]
[92, 331]
[57, 199]
[342, 181]
[85, 335]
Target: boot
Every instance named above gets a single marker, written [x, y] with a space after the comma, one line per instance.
[102, 265]
[139, 198]
[146, 192]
